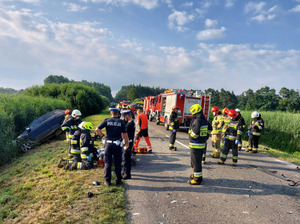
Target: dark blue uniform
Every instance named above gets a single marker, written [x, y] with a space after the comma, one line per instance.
[130, 129]
[114, 127]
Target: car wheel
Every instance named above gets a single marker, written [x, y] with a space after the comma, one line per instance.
[26, 146]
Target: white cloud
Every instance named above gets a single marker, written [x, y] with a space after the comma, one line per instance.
[178, 19]
[74, 7]
[295, 9]
[147, 4]
[211, 23]
[258, 13]
[187, 4]
[229, 3]
[209, 34]
[31, 1]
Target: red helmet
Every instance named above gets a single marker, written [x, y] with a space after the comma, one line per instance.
[232, 113]
[67, 111]
[225, 111]
[215, 109]
[174, 107]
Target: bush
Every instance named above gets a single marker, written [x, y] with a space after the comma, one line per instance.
[79, 96]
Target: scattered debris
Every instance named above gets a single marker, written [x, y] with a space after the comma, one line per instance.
[136, 213]
[174, 201]
[245, 212]
[90, 194]
[96, 183]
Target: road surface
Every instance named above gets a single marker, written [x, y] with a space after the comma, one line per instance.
[258, 190]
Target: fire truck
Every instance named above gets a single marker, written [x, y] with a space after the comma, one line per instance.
[159, 108]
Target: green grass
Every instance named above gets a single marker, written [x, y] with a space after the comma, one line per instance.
[34, 190]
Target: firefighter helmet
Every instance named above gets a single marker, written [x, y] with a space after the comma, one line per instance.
[174, 107]
[254, 114]
[215, 109]
[196, 108]
[238, 110]
[76, 114]
[67, 111]
[232, 113]
[225, 111]
[81, 125]
[88, 126]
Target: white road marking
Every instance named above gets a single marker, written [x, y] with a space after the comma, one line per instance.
[180, 143]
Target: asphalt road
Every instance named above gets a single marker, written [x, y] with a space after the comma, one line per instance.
[257, 190]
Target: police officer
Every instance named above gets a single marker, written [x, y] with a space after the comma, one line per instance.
[174, 126]
[71, 126]
[254, 132]
[130, 129]
[115, 128]
[199, 132]
[231, 137]
[240, 117]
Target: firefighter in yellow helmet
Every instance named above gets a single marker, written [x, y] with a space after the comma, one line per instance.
[199, 132]
[216, 132]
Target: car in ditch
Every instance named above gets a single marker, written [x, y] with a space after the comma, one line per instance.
[42, 129]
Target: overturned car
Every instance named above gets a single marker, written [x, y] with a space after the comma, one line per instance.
[42, 129]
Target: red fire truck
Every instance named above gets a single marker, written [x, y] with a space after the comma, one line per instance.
[159, 108]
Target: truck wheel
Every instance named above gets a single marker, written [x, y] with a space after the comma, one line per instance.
[166, 123]
[157, 120]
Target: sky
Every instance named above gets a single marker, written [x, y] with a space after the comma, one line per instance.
[231, 44]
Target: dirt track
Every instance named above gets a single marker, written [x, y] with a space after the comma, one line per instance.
[256, 191]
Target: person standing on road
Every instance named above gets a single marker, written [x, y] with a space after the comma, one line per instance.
[254, 132]
[142, 122]
[216, 132]
[199, 132]
[240, 117]
[71, 126]
[130, 129]
[226, 120]
[115, 130]
[174, 126]
[232, 136]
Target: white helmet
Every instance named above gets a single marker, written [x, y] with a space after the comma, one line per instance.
[81, 125]
[76, 114]
[254, 114]
[238, 110]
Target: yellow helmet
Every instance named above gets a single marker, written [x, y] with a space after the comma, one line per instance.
[88, 126]
[196, 108]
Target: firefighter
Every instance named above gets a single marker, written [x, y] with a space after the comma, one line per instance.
[254, 132]
[174, 126]
[231, 136]
[86, 159]
[216, 132]
[115, 129]
[67, 117]
[142, 122]
[130, 129]
[226, 120]
[72, 125]
[240, 117]
[199, 132]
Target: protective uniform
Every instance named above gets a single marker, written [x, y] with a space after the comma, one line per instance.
[240, 117]
[199, 132]
[174, 126]
[254, 132]
[232, 135]
[75, 145]
[130, 129]
[71, 126]
[143, 132]
[226, 120]
[216, 132]
[113, 147]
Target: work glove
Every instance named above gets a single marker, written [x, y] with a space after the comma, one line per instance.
[174, 130]
[89, 158]
[237, 142]
[249, 132]
[224, 139]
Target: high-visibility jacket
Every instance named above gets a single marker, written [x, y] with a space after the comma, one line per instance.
[199, 131]
[217, 124]
[240, 117]
[85, 144]
[143, 121]
[71, 125]
[257, 128]
[75, 142]
[226, 120]
[174, 122]
[233, 130]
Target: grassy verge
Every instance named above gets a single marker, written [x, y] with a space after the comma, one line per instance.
[34, 190]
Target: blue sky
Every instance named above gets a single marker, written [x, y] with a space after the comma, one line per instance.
[232, 44]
